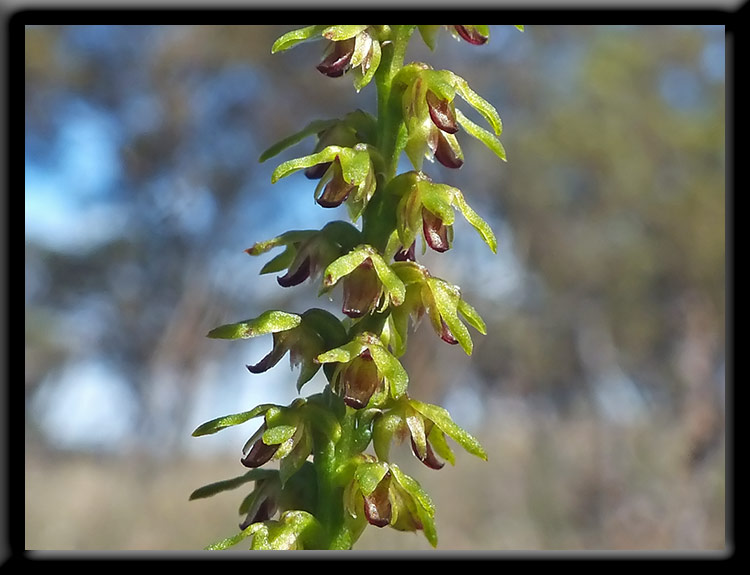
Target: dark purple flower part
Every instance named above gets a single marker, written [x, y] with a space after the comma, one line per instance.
[295, 275]
[378, 505]
[362, 290]
[259, 454]
[282, 341]
[429, 459]
[404, 255]
[264, 512]
[435, 231]
[360, 379]
[336, 62]
[337, 190]
[471, 35]
[442, 113]
[446, 335]
[317, 171]
[445, 154]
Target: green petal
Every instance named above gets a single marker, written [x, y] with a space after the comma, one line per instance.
[270, 321]
[442, 419]
[519, 27]
[477, 223]
[482, 135]
[313, 127]
[229, 420]
[416, 427]
[294, 37]
[440, 446]
[279, 262]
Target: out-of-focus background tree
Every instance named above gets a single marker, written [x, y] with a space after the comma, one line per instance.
[598, 391]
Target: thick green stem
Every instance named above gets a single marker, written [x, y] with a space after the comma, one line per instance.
[378, 221]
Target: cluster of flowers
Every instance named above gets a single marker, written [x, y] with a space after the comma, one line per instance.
[384, 290]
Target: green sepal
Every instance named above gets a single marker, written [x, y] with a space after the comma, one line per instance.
[344, 353]
[286, 238]
[441, 448]
[478, 103]
[369, 474]
[442, 419]
[294, 37]
[327, 154]
[429, 35]
[314, 127]
[220, 423]
[278, 434]
[361, 80]
[229, 484]
[424, 506]
[446, 298]
[471, 316]
[391, 369]
[415, 423]
[271, 321]
[279, 262]
[383, 430]
[519, 27]
[296, 458]
[477, 223]
[234, 539]
[338, 33]
[482, 135]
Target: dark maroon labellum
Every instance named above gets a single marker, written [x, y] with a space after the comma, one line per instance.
[316, 172]
[361, 290]
[445, 154]
[377, 504]
[442, 113]
[264, 512]
[435, 232]
[404, 255]
[471, 35]
[295, 277]
[446, 335]
[360, 380]
[337, 190]
[337, 62]
[259, 454]
[429, 459]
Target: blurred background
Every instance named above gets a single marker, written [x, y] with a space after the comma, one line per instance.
[598, 391]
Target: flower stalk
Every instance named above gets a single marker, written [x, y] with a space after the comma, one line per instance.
[327, 488]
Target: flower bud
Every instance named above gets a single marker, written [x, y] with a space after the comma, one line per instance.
[336, 62]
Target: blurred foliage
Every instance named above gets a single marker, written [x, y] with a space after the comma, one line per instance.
[610, 209]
